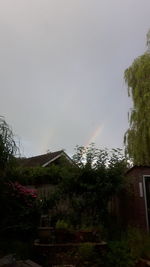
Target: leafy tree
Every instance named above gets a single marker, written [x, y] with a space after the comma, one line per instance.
[85, 156]
[90, 187]
[137, 137]
[8, 147]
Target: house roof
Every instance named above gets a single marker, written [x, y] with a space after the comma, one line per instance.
[43, 160]
[137, 167]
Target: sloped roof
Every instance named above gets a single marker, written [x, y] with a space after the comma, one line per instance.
[137, 167]
[42, 160]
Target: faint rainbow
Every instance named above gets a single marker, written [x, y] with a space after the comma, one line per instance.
[94, 135]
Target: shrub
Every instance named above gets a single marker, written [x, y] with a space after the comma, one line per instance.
[19, 210]
[86, 251]
[119, 255]
[139, 243]
[127, 251]
[61, 224]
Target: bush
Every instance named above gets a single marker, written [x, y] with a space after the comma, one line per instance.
[61, 224]
[19, 210]
[86, 251]
[139, 243]
[119, 255]
[127, 251]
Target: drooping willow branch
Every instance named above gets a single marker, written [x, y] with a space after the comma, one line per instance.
[137, 137]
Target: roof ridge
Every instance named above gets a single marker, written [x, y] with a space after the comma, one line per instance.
[48, 153]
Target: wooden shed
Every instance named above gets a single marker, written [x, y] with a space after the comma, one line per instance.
[136, 207]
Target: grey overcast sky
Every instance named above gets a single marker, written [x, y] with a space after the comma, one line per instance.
[61, 70]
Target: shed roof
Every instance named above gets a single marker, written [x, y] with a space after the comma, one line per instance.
[140, 167]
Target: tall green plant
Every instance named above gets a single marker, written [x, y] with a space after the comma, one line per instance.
[137, 137]
[8, 147]
[91, 186]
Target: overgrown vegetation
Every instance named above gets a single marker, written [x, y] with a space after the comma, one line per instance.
[37, 175]
[79, 201]
[126, 251]
[18, 207]
[90, 187]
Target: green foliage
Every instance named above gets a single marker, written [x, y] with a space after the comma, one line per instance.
[85, 155]
[39, 175]
[8, 147]
[93, 158]
[137, 137]
[18, 209]
[86, 251]
[119, 255]
[139, 243]
[61, 224]
[90, 187]
[80, 195]
[133, 245]
[17, 204]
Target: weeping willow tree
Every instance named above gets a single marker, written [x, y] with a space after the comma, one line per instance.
[8, 147]
[137, 137]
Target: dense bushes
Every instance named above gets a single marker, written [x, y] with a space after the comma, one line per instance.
[81, 194]
[119, 254]
[19, 211]
[83, 190]
[128, 249]
[90, 187]
[36, 175]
